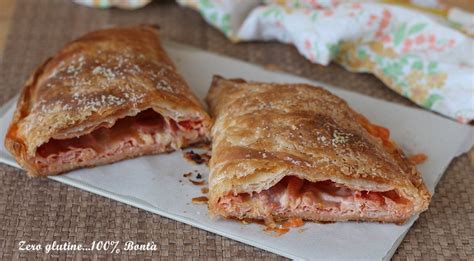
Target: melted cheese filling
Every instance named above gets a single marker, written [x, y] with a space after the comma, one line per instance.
[146, 131]
[293, 196]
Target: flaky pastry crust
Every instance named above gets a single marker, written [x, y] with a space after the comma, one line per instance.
[265, 131]
[93, 81]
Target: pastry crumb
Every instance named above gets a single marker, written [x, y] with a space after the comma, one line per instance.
[200, 200]
[418, 158]
[197, 158]
[197, 183]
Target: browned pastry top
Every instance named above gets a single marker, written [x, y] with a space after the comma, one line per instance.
[105, 74]
[264, 131]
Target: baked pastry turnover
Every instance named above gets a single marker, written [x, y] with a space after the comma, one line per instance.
[285, 151]
[110, 95]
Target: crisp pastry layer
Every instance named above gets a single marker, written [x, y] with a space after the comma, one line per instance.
[292, 150]
[109, 95]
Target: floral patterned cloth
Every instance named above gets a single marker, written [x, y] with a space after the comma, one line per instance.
[413, 53]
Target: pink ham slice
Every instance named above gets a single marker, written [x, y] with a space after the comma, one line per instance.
[147, 130]
[330, 200]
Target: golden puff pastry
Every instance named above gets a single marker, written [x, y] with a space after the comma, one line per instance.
[110, 95]
[285, 151]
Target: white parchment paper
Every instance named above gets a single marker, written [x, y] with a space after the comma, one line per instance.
[152, 182]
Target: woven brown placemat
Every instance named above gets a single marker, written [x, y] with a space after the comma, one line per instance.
[42, 210]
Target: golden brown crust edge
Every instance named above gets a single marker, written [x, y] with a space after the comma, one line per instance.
[148, 74]
[255, 164]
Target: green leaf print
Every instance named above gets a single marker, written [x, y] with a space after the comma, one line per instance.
[432, 66]
[314, 16]
[205, 4]
[379, 60]
[403, 60]
[297, 4]
[399, 34]
[213, 17]
[225, 24]
[394, 70]
[416, 28]
[417, 65]
[432, 99]
[333, 49]
[362, 54]
[273, 10]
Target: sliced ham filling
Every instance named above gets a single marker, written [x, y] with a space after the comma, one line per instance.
[323, 200]
[148, 131]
